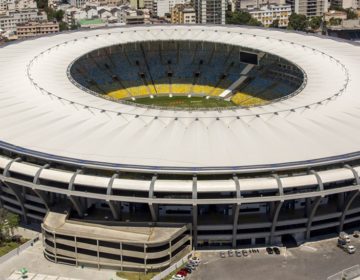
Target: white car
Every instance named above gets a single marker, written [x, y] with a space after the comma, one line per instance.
[350, 249]
[178, 277]
[194, 262]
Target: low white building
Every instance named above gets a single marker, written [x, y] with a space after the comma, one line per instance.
[267, 14]
[165, 6]
[9, 21]
[16, 5]
[127, 15]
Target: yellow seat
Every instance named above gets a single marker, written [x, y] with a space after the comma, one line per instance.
[119, 94]
[244, 99]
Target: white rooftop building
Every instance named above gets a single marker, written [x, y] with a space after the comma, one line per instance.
[165, 6]
[267, 14]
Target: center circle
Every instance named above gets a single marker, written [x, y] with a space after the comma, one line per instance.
[186, 74]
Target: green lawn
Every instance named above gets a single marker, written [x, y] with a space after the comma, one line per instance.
[136, 275]
[8, 246]
[184, 102]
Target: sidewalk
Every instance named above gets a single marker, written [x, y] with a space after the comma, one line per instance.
[33, 259]
[33, 276]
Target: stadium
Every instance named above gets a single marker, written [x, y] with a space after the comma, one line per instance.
[133, 145]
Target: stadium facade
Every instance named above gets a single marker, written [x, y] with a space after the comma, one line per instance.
[122, 185]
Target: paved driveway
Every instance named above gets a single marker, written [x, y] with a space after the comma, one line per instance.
[315, 261]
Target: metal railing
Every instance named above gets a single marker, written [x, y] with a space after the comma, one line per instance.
[19, 249]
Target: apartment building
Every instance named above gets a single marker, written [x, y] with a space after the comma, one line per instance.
[183, 14]
[9, 21]
[309, 8]
[210, 11]
[32, 29]
[267, 14]
[16, 5]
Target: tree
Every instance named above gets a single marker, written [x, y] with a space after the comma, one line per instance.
[54, 15]
[13, 222]
[298, 22]
[275, 24]
[335, 21]
[315, 23]
[42, 4]
[254, 22]
[351, 14]
[241, 18]
[63, 26]
[8, 222]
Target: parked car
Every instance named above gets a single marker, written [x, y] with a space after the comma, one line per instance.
[269, 250]
[222, 254]
[178, 277]
[197, 259]
[182, 272]
[245, 253]
[356, 234]
[344, 236]
[276, 250]
[230, 253]
[196, 263]
[238, 253]
[191, 266]
[349, 249]
[188, 270]
[341, 242]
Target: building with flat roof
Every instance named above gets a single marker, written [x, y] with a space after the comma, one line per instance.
[210, 11]
[12, 19]
[32, 29]
[267, 14]
[183, 13]
[16, 5]
[309, 8]
[244, 4]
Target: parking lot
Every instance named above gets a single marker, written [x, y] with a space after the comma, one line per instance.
[317, 260]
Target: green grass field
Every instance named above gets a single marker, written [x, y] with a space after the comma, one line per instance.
[136, 275]
[184, 102]
[9, 246]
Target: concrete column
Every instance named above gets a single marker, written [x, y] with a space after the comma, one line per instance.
[121, 257]
[55, 249]
[41, 194]
[152, 207]
[15, 191]
[98, 253]
[350, 198]
[114, 206]
[194, 211]
[315, 205]
[311, 217]
[236, 211]
[75, 200]
[235, 224]
[275, 220]
[145, 257]
[170, 251]
[276, 213]
[76, 251]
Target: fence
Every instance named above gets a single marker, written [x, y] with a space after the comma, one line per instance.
[170, 269]
[19, 249]
[346, 274]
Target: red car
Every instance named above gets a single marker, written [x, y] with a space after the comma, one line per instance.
[182, 272]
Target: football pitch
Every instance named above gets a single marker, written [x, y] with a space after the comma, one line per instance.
[194, 102]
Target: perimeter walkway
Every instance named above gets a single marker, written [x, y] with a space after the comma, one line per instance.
[35, 276]
[33, 260]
